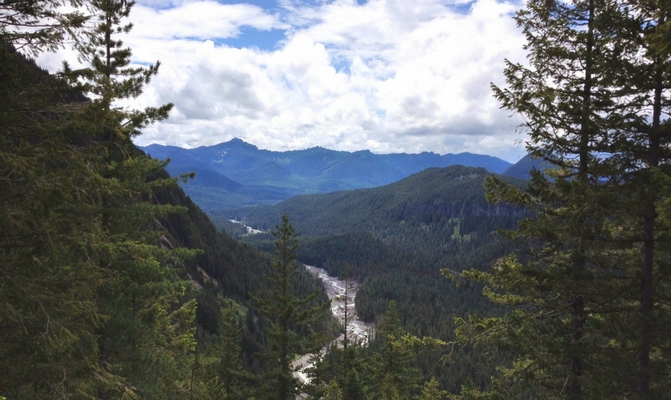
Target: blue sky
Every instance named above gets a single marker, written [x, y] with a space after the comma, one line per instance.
[384, 75]
[266, 40]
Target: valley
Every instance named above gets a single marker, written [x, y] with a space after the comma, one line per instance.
[395, 240]
[342, 294]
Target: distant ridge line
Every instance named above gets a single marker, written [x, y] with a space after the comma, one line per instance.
[236, 173]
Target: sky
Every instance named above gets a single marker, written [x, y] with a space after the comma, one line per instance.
[389, 76]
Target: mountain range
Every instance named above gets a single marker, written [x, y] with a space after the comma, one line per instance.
[235, 173]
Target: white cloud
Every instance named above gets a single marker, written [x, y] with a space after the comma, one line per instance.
[389, 75]
[200, 20]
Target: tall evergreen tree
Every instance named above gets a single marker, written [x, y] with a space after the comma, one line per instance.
[351, 365]
[431, 391]
[92, 304]
[394, 373]
[148, 334]
[351, 371]
[232, 380]
[572, 294]
[36, 26]
[292, 319]
[333, 392]
[648, 156]
[347, 313]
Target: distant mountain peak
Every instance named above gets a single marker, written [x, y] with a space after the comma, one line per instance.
[522, 168]
[236, 143]
[316, 149]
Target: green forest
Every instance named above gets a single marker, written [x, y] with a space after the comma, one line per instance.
[115, 285]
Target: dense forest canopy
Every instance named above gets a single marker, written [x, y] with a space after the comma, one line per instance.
[113, 283]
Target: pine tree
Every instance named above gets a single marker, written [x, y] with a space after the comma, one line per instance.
[148, 336]
[394, 374]
[287, 314]
[232, 380]
[333, 392]
[94, 306]
[317, 372]
[571, 293]
[431, 391]
[35, 26]
[347, 314]
[647, 153]
[350, 370]
[388, 389]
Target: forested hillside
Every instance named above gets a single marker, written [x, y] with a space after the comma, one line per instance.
[113, 283]
[436, 196]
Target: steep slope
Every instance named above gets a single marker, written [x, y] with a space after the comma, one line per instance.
[226, 272]
[98, 293]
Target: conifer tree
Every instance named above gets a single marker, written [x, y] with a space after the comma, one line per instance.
[35, 26]
[351, 363]
[431, 391]
[394, 374]
[316, 372]
[231, 379]
[333, 392]
[287, 314]
[647, 153]
[94, 305]
[347, 314]
[147, 338]
[351, 369]
[571, 294]
[387, 389]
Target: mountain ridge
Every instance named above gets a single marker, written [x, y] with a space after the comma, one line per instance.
[434, 195]
[234, 174]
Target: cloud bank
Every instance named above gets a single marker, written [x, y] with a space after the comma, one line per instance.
[385, 75]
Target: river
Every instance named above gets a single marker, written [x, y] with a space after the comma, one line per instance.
[358, 331]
